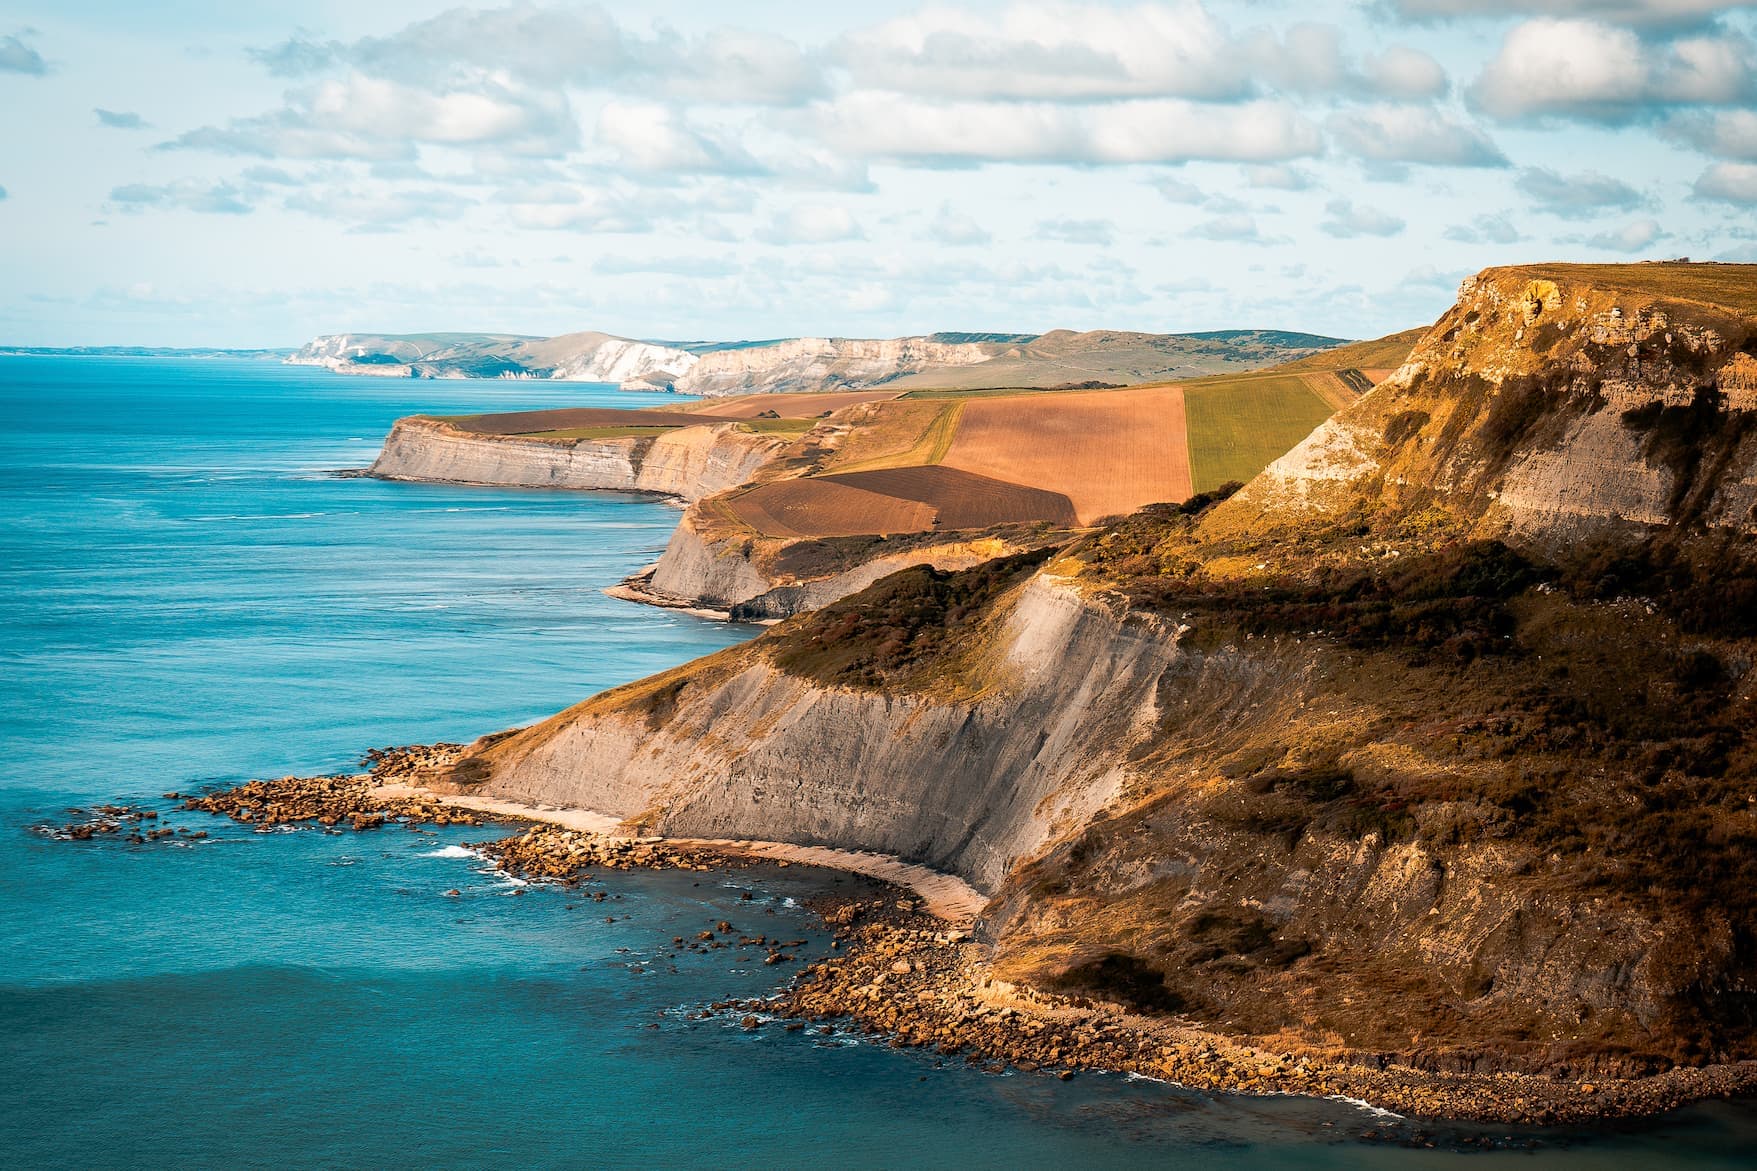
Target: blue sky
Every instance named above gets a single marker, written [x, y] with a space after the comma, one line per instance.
[256, 173]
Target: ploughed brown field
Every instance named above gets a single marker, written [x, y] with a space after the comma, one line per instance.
[964, 500]
[787, 406]
[1110, 452]
[824, 508]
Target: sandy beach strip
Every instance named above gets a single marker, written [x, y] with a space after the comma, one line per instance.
[946, 896]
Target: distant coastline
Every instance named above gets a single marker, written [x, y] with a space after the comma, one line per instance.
[270, 355]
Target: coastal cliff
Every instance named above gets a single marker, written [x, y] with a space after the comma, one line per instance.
[577, 357]
[820, 363]
[757, 579]
[735, 746]
[687, 463]
[1414, 750]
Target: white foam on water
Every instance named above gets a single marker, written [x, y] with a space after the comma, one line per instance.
[1368, 1107]
[452, 852]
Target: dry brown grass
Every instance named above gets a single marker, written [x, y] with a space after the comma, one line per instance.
[896, 435]
[1330, 387]
[824, 508]
[788, 406]
[1384, 353]
[571, 418]
[1109, 452]
[1730, 286]
[964, 500]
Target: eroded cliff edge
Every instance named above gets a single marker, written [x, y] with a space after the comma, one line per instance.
[687, 463]
[1413, 749]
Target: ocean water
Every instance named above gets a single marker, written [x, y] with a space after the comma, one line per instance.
[191, 597]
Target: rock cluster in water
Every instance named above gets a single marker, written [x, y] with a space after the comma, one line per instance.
[899, 972]
[329, 801]
[123, 822]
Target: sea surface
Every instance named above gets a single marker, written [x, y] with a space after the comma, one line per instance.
[191, 597]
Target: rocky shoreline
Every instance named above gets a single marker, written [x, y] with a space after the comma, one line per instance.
[899, 972]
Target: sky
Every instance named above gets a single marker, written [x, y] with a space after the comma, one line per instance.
[254, 174]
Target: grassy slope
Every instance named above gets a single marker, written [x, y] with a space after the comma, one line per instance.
[1238, 425]
[1387, 352]
[1730, 286]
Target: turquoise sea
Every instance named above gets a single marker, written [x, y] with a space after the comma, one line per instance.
[191, 597]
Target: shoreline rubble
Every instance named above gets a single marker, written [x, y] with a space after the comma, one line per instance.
[903, 968]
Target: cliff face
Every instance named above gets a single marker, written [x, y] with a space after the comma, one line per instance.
[579, 357]
[735, 747]
[756, 579]
[688, 463]
[1546, 407]
[808, 364]
[1330, 763]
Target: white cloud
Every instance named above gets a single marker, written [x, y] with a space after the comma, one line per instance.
[1238, 229]
[1488, 228]
[18, 57]
[1348, 220]
[1405, 73]
[567, 208]
[1087, 52]
[730, 66]
[188, 195]
[1632, 237]
[1585, 191]
[953, 227]
[1075, 231]
[365, 207]
[1657, 12]
[580, 45]
[1278, 178]
[1413, 134]
[1175, 190]
[1048, 51]
[1599, 72]
[812, 223]
[119, 119]
[361, 117]
[656, 138]
[1727, 134]
[875, 125]
[1729, 183]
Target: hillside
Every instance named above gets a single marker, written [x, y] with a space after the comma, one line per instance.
[812, 365]
[581, 357]
[884, 483]
[1431, 747]
[815, 494]
[1063, 358]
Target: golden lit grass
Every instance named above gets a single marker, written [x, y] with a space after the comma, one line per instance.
[1239, 424]
[1730, 286]
[1109, 452]
[596, 433]
[796, 406]
[1388, 352]
[1332, 387]
[898, 435]
[571, 418]
[779, 426]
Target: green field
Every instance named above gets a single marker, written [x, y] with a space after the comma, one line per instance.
[1240, 424]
